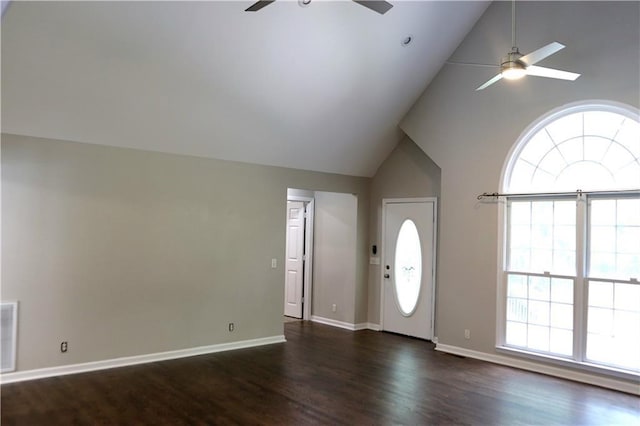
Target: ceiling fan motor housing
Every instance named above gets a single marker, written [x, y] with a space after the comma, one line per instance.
[511, 67]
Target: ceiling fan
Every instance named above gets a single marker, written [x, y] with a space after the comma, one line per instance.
[379, 6]
[516, 65]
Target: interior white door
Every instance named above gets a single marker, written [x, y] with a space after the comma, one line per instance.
[408, 268]
[294, 263]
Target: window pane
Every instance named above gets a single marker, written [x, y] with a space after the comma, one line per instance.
[614, 238]
[601, 294]
[517, 286]
[408, 267]
[603, 212]
[539, 288]
[541, 260]
[602, 264]
[564, 262]
[538, 337]
[628, 239]
[600, 321]
[562, 290]
[517, 310]
[627, 297]
[532, 320]
[561, 342]
[520, 260]
[516, 334]
[538, 312]
[561, 316]
[614, 332]
[520, 236]
[628, 212]
[604, 238]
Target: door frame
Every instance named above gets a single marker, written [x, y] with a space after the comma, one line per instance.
[307, 285]
[385, 202]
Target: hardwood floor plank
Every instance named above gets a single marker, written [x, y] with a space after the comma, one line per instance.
[321, 376]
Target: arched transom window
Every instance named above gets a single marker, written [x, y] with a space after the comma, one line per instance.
[572, 253]
[588, 150]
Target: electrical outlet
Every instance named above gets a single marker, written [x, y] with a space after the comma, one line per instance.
[334, 307]
[64, 346]
[467, 334]
[231, 326]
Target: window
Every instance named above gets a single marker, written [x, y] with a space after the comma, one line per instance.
[572, 249]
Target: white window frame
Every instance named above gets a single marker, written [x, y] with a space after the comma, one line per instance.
[578, 360]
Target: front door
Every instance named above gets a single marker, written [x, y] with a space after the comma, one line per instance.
[294, 262]
[408, 267]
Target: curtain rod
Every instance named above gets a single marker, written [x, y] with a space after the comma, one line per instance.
[577, 192]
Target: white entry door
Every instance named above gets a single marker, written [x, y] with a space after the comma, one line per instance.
[294, 263]
[408, 267]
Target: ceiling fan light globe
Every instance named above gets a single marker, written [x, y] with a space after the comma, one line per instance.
[513, 73]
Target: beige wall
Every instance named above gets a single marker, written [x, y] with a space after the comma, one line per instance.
[334, 256]
[123, 252]
[469, 134]
[407, 173]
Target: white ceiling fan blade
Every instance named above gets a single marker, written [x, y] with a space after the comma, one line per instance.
[258, 5]
[543, 52]
[490, 82]
[379, 6]
[551, 73]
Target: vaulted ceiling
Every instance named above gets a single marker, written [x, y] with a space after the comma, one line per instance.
[320, 88]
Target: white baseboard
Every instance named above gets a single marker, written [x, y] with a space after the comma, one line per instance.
[550, 370]
[345, 325]
[20, 376]
[334, 323]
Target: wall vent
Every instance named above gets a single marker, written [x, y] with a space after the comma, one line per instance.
[8, 335]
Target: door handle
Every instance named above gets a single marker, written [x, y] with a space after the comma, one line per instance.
[387, 276]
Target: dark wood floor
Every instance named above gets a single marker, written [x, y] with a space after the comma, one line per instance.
[322, 375]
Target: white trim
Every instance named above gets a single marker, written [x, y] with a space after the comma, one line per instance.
[577, 376]
[135, 360]
[310, 208]
[346, 325]
[336, 323]
[309, 205]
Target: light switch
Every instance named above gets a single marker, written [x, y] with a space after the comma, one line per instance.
[374, 260]
[274, 263]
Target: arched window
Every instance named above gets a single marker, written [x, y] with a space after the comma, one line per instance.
[572, 252]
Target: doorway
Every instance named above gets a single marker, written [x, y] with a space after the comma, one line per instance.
[298, 256]
[408, 266]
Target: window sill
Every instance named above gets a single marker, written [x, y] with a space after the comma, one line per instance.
[568, 363]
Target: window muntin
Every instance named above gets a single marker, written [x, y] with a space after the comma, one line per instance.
[587, 247]
[587, 150]
[542, 236]
[540, 313]
[614, 238]
[613, 330]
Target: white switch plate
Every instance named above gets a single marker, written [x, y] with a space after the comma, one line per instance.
[274, 263]
[374, 260]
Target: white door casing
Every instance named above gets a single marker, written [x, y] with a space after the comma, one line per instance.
[294, 261]
[413, 272]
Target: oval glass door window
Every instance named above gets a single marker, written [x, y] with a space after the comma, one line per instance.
[408, 267]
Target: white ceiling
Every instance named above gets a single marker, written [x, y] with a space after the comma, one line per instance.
[319, 88]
